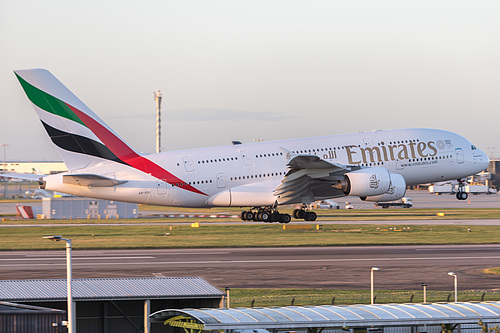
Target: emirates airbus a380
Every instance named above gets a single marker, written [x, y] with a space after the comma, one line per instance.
[375, 166]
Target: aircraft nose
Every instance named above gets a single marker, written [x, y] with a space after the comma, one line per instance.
[485, 161]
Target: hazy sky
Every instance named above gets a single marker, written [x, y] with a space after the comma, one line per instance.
[255, 69]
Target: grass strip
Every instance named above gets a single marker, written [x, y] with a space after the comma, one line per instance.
[356, 214]
[301, 297]
[257, 235]
[492, 270]
[375, 215]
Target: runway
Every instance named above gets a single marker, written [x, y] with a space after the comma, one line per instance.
[402, 267]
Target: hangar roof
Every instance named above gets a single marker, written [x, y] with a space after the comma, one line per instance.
[109, 289]
[12, 308]
[335, 316]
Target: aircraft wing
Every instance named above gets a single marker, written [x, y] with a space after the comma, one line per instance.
[309, 179]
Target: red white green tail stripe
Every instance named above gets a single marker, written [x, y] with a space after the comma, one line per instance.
[75, 129]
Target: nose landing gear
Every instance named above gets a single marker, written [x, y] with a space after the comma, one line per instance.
[461, 194]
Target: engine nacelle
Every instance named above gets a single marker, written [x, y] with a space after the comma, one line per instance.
[366, 182]
[396, 191]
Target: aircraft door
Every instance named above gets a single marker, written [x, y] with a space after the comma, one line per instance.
[161, 187]
[188, 163]
[245, 156]
[400, 164]
[459, 153]
[221, 180]
[368, 142]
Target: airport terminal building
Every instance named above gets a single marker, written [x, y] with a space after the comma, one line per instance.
[43, 167]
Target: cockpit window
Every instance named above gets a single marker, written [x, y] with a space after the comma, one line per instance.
[473, 147]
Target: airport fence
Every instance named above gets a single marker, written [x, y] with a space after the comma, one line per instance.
[16, 189]
[364, 298]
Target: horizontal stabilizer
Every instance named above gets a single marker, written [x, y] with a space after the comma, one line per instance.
[25, 176]
[91, 180]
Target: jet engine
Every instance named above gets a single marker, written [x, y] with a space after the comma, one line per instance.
[396, 191]
[366, 182]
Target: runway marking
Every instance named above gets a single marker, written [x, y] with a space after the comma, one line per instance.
[99, 255]
[248, 261]
[78, 258]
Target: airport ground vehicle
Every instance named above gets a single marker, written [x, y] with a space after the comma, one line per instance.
[325, 204]
[404, 203]
[479, 189]
[469, 188]
[442, 189]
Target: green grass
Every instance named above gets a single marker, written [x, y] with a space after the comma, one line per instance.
[252, 235]
[357, 214]
[375, 215]
[285, 297]
[19, 200]
[411, 214]
[492, 270]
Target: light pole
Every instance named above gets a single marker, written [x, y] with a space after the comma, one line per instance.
[227, 293]
[71, 312]
[158, 120]
[424, 286]
[456, 284]
[4, 145]
[371, 288]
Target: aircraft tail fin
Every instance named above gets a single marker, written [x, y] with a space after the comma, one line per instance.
[81, 137]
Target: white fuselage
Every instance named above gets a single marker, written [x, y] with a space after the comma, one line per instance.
[254, 170]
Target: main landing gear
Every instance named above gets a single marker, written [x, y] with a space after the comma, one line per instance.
[302, 214]
[461, 194]
[267, 214]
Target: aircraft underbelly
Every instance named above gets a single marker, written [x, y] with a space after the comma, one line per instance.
[256, 194]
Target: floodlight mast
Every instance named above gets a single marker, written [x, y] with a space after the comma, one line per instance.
[158, 96]
[69, 279]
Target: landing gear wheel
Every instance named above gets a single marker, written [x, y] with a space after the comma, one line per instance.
[242, 215]
[248, 215]
[462, 195]
[266, 217]
[285, 218]
[295, 214]
[310, 216]
[275, 216]
[301, 214]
